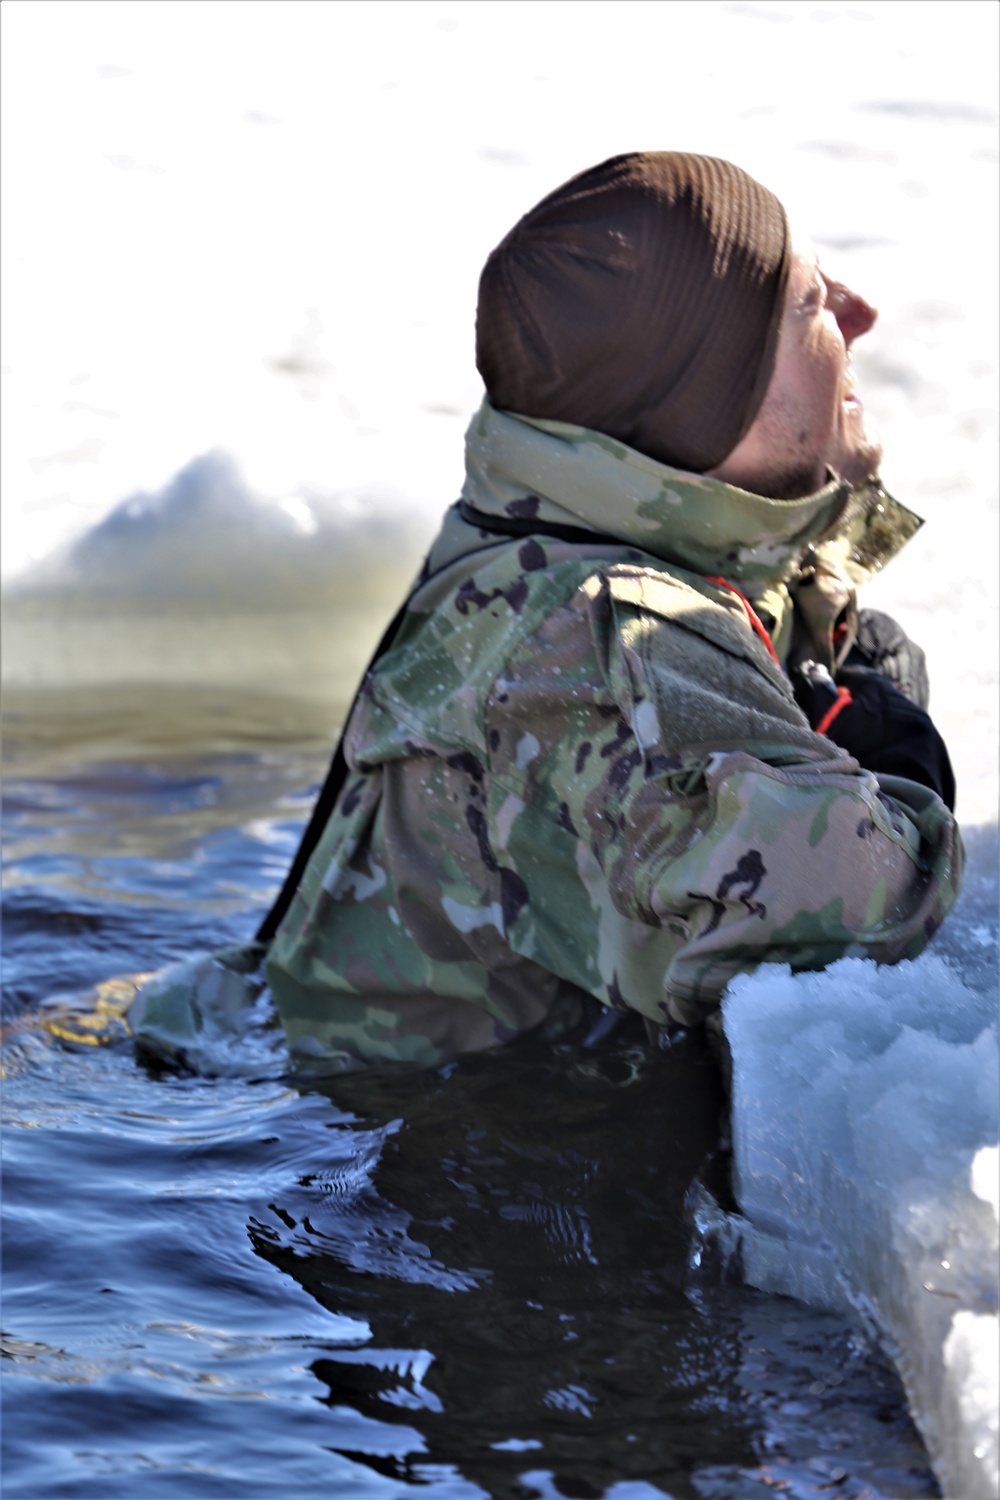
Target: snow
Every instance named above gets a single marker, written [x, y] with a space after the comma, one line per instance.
[208, 583]
[865, 1125]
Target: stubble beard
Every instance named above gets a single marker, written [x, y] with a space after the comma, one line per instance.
[790, 484]
[851, 457]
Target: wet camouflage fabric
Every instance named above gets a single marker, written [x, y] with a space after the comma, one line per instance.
[578, 775]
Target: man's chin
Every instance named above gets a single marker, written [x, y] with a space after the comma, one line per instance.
[860, 463]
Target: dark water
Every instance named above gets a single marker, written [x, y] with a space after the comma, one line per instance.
[475, 1281]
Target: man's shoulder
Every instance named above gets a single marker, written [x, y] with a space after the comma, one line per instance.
[465, 624]
[520, 581]
[469, 619]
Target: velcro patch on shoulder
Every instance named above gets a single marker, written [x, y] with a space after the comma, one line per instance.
[718, 617]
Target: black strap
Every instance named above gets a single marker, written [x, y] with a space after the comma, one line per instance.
[338, 772]
[582, 536]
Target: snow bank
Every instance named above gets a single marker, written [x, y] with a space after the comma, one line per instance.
[865, 1125]
[208, 535]
[208, 583]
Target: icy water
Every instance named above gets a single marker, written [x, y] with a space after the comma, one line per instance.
[466, 1282]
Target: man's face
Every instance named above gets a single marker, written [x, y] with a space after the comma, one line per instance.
[811, 418]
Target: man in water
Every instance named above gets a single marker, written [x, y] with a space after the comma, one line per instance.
[629, 735]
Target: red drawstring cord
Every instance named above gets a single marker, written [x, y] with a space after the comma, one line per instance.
[843, 699]
[756, 622]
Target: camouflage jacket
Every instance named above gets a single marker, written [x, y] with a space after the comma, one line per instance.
[579, 771]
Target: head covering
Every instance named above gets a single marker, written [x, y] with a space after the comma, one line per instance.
[643, 299]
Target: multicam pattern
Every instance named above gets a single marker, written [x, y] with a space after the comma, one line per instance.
[579, 776]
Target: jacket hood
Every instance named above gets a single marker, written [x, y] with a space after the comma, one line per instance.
[525, 468]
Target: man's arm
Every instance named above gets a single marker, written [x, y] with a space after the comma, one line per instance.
[805, 865]
[712, 830]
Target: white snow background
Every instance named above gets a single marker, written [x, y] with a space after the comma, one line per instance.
[241, 243]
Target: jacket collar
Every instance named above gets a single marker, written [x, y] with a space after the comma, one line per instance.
[525, 468]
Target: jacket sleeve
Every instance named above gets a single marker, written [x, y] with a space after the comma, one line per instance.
[706, 828]
[803, 865]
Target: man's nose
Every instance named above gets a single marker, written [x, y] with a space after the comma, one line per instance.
[854, 315]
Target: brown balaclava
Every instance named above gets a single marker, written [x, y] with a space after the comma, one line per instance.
[643, 299]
